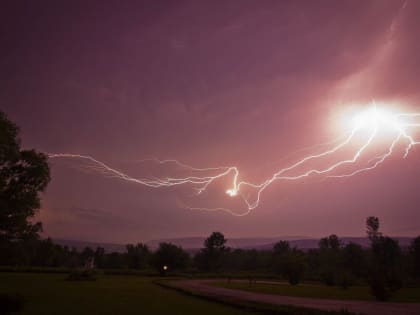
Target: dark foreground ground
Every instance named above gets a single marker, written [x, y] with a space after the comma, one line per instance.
[46, 294]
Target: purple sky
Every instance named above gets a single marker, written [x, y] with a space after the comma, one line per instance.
[210, 83]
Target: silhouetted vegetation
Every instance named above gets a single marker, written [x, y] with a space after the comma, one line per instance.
[288, 262]
[82, 275]
[138, 256]
[414, 258]
[212, 256]
[385, 269]
[23, 175]
[384, 266]
[169, 257]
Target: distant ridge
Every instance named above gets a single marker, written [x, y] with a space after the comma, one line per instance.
[193, 244]
[80, 245]
[240, 242]
[268, 242]
[306, 244]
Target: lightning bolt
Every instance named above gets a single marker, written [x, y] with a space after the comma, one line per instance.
[368, 124]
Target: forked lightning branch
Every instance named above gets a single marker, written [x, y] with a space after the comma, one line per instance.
[376, 124]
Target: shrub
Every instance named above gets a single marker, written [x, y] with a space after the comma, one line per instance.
[82, 275]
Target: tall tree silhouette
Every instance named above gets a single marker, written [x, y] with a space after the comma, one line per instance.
[415, 257]
[372, 228]
[385, 265]
[212, 255]
[23, 175]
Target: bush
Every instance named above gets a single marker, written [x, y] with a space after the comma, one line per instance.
[82, 275]
[10, 303]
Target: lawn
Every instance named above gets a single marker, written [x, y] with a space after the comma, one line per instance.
[52, 294]
[320, 291]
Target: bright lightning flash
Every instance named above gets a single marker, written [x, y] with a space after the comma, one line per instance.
[368, 124]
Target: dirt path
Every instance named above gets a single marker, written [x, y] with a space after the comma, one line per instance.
[204, 287]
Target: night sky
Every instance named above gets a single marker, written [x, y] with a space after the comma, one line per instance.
[244, 83]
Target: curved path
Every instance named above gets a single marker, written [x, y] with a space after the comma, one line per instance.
[205, 288]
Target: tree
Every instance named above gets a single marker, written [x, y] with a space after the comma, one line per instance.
[372, 228]
[87, 255]
[351, 265]
[280, 251]
[169, 257]
[295, 266]
[354, 260]
[215, 242]
[415, 257]
[331, 242]
[137, 255]
[289, 262]
[23, 175]
[385, 265]
[99, 257]
[281, 247]
[45, 252]
[329, 254]
[210, 258]
[113, 260]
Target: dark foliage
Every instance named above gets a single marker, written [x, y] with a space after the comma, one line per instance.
[288, 262]
[372, 228]
[82, 275]
[169, 257]
[213, 256]
[330, 259]
[138, 256]
[414, 253]
[385, 269]
[384, 266]
[23, 175]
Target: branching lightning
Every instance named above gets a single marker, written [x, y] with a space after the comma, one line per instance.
[369, 125]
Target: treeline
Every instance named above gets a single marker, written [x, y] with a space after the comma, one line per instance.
[384, 265]
[45, 253]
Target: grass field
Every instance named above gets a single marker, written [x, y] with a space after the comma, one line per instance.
[52, 294]
[409, 295]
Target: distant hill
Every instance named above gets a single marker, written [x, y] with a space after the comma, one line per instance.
[306, 244]
[193, 244]
[197, 242]
[80, 245]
